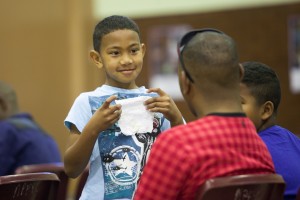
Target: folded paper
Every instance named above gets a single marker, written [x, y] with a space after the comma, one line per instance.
[134, 117]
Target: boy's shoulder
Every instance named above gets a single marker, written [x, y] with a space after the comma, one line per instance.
[99, 91]
[105, 91]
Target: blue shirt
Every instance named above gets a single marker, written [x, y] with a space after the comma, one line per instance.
[23, 142]
[284, 147]
[117, 160]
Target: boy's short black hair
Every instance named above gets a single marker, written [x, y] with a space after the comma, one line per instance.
[262, 82]
[110, 24]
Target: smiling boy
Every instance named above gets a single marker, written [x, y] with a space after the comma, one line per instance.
[116, 160]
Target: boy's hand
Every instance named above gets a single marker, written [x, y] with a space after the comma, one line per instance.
[105, 116]
[165, 105]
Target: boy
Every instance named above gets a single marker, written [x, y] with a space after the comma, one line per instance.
[116, 160]
[222, 141]
[260, 93]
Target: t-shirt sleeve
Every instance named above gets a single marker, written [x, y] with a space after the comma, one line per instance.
[165, 124]
[80, 113]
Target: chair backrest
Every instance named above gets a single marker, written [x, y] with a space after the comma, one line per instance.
[81, 182]
[298, 194]
[243, 187]
[57, 168]
[31, 186]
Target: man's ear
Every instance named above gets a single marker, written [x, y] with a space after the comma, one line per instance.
[95, 56]
[267, 110]
[185, 83]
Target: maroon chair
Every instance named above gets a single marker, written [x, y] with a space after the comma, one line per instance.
[31, 186]
[57, 168]
[243, 187]
[298, 194]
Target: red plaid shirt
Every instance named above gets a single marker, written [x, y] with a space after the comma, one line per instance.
[182, 158]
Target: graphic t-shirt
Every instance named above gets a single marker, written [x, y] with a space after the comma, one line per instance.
[117, 160]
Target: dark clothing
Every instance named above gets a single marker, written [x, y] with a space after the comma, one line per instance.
[23, 142]
[284, 147]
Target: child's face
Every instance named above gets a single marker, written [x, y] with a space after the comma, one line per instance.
[250, 107]
[122, 55]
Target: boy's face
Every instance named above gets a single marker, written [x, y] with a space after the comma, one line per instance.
[121, 54]
[250, 107]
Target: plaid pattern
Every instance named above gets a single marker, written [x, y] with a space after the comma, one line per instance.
[184, 157]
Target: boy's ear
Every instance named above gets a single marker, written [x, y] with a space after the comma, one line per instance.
[143, 48]
[267, 110]
[242, 71]
[95, 56]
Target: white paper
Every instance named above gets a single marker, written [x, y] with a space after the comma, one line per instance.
[134, 117]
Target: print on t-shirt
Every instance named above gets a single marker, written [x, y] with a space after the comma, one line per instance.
[123, 157]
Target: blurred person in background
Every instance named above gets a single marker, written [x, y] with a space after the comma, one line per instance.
[22, 140]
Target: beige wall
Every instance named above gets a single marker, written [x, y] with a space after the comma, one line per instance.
[153, 8]
[44, 55]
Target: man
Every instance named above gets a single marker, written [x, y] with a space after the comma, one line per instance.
[222, 141]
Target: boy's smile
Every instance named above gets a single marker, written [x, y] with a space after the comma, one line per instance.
[127, 72]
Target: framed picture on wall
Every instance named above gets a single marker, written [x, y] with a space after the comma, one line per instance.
[294, 52]
[163, 58]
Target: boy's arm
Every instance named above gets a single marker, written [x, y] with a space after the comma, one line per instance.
[79, 149]
[80, 145]
[165, 105]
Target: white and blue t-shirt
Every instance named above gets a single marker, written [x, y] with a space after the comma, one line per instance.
[117, 160]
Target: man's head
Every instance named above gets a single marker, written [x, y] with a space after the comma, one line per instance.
[8, 101]
[209, 63]
[260, 92]
[111, 24]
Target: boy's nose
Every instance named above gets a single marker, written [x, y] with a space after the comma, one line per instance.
[126, 59]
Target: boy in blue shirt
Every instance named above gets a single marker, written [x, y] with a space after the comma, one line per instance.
[116, 159]
[260, 94]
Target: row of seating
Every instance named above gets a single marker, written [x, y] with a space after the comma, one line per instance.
[49, 182]
[39, 181]
[31, 186]
[243, 187]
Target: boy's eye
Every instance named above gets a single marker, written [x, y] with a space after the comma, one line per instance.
[134, 50]
[114, 53]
